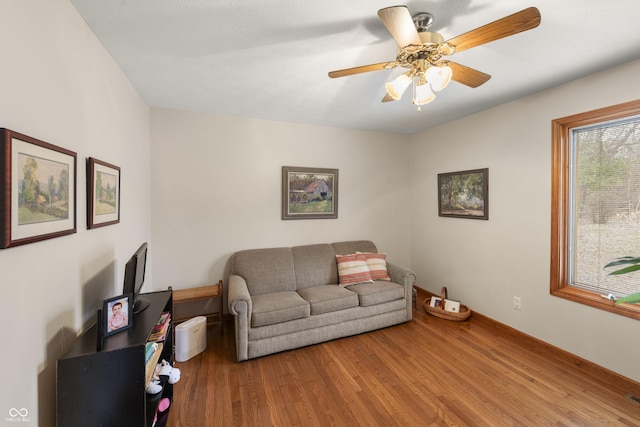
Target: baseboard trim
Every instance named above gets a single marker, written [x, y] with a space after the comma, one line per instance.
[536, 344]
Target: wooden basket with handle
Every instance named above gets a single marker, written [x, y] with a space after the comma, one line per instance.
[464, 313]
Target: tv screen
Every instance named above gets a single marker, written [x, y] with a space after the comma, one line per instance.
[134, 272]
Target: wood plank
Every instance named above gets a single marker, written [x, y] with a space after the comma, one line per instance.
[194, 294]
[199, 294]
[428, 371]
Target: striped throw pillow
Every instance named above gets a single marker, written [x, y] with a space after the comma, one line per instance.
[353, 269]
[377, 264]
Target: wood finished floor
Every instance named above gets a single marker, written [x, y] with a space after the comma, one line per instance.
[427, 372]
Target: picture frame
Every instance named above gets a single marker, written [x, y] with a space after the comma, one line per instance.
[103, 193]
[464, 194]
[37, 190]
[452, 306]
[309, 193]
[117, 314]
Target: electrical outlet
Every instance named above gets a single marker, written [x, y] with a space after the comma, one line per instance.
[517, 303]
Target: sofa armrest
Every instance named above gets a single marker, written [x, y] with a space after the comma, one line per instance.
[239, 299]
[240, 306]
[405, 277]
[401, 275]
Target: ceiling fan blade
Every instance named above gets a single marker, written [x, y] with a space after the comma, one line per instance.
[467, 75]
[524, 20]
[398, 21]
[362, 69]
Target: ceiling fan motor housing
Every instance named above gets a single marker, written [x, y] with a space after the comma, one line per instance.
[432, 50]
[428, 37]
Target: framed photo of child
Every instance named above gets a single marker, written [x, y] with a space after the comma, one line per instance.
[117, 314]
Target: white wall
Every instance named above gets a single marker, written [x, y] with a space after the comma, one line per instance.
[213, 186]
[217, 189]
[486, 263]
[58, 84]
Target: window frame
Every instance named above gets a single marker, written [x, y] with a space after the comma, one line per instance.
[560, 206]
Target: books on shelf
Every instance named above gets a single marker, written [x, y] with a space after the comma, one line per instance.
[150, 348]
[152, 361]
[159, 332]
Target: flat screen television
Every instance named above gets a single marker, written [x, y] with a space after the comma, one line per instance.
[134, 278]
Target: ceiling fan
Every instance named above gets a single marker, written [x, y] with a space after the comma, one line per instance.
[423, 52]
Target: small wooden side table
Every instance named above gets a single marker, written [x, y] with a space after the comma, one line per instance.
[181, 296]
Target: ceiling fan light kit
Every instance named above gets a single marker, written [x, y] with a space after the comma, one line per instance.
[422, 52]
[422, 93]
[396, 87]
[439, 76]
[425, 82]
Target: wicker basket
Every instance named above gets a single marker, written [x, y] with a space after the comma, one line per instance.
[464, 313]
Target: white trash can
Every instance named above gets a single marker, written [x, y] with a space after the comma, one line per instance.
[191, 338]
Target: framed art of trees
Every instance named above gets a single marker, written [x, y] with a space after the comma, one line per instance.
[464, 194]
[38, 196]
[103, 193]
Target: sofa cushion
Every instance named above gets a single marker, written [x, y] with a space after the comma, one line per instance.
[328, 298]
[353, 269]
[278, 307]
[315, 265]
[353, 246]
[377, 264]
[265, 270]
[377, 292]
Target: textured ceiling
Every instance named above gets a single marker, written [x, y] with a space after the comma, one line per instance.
[269, 59]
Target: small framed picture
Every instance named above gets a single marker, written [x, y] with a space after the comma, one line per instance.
[451, 305]
[436, 302]
[103, 193]
[117, 314]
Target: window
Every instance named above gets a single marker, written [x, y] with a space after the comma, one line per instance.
[595, 209]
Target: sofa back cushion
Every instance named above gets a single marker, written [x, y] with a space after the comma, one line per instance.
[265, 270]
[353, 246]
[315, 265]
[289, 269]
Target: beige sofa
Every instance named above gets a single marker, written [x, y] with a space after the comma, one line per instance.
[284, 298]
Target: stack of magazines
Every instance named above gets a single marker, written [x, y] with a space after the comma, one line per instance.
[159, 332]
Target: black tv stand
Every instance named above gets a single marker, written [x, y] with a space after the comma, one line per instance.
[108, 387]
[140, 305]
